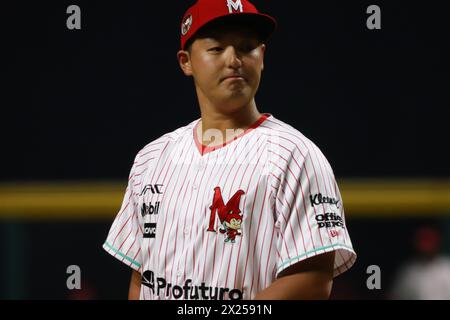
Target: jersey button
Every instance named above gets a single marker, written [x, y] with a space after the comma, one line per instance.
[194, 186]
[186, 231]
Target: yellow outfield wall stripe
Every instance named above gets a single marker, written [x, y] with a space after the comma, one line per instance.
[89, 200]
[396, 198]
[61, 200]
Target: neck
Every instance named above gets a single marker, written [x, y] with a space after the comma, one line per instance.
[217, 127]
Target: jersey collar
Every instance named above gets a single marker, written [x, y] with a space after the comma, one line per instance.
[206, 149]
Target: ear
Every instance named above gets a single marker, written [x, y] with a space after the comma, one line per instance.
[263, 50]
[184, 59]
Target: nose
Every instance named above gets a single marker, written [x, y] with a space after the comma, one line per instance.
[233, 59]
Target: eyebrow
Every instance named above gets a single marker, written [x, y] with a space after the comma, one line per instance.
[219, 34]
[239, 40]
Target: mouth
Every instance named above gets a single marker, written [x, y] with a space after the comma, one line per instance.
[234, 78]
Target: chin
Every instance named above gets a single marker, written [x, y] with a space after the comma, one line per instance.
[239, 97]
[233, 104]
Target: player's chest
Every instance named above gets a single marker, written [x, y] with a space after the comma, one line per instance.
[222, 199]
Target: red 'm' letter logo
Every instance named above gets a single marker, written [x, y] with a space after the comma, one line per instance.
[232, 207]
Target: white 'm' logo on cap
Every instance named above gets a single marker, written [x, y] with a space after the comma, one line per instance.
[234, 6]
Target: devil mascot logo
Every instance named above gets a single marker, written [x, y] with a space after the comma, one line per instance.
[229, 215]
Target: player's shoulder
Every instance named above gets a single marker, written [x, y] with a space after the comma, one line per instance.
[289, 150]
[153, 149]
[286, 138]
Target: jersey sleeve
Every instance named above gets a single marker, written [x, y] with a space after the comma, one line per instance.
[310, 213]
[125, 235]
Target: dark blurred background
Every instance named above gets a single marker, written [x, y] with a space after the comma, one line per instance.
[79, 104]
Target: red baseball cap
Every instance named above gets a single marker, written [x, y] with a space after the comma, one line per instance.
[204, 12]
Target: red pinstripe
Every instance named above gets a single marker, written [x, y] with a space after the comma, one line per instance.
[290, 226]
[151, 199]
[196, 224]
[312, 163]
[301, 188]
[150, 151]
[126, 238]
[240, 186]
[171, 227]
[257, 234]
[262, 247]
[250, 227]
[301, 139]
[140, 173]
[168, 207]
[184, 225]
[335, 195]
[144, 163]
[206, 195]
[209, 233]
[113, 229]
[205, 214]
[282, 237]
[244, 206]
[126, 222]
[303, 202]
[131, 246]
[137, 253]
[169, 163]
[216, 238]
[317, 182]
[290, 210]
[268, 258]
[230, 192]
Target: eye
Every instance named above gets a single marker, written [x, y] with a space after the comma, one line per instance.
[215, 49]
[246, 48]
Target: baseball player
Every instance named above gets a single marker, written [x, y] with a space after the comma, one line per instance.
[236, 204]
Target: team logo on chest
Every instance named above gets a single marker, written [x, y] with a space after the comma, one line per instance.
[229, 215]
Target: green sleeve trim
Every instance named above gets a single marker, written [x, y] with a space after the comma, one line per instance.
[122, 255]
[297, 258]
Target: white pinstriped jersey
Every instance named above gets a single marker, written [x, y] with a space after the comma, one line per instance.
[223, 222]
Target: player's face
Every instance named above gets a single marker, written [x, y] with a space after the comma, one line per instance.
[226, 65]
